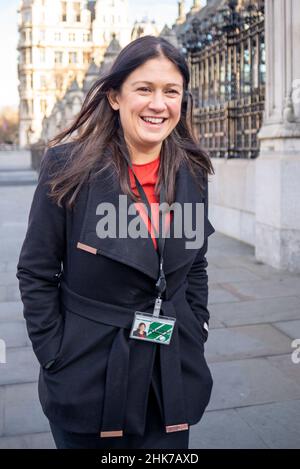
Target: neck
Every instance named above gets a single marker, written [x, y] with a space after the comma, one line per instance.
[142, 156]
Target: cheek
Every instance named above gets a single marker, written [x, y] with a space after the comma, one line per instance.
[135, 106]
[175, 110]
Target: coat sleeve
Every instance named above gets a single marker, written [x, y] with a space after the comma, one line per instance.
[39, 267]
[197, 290]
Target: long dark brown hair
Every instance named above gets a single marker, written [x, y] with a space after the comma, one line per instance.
[99, 140]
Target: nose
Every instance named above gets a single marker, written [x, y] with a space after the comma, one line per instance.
[157, 102]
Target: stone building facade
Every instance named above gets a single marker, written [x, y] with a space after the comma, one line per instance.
[57, 40]
[65, 109]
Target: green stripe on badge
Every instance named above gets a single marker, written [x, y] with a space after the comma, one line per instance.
[158, 331]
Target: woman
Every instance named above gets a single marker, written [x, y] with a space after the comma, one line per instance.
[83, 279]
[140, 331]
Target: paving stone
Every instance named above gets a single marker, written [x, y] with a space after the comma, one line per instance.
[21, 366]
[23, 412]
[8, 278]
[18, 178]
[214, 323]
[11, 311]
[245, 342]
[285, 364]
[249, 382]
[248, 262]
[268, 310]
[290, 328]
[264, 288]
[278, 424]
[31, 441]
[14, 333]
[224, 429]
[217, 294]
[11, 266]
[230, 274]
[15, 159]
[9, 293]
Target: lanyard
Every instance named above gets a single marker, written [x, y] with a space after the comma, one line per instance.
[161, 281]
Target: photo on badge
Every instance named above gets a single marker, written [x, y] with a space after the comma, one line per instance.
[151, 328]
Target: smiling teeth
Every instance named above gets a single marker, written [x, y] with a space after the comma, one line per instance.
[153, 120]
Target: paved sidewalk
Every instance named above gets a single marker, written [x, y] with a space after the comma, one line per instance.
[255, 314]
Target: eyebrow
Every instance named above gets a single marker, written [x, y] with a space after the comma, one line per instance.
[150, 83]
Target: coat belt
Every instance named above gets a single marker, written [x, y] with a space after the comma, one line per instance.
[125, 402]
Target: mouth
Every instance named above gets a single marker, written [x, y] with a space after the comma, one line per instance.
[153, 121]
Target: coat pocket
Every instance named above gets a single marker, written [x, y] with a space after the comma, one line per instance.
[196, 324]
[82, 338]
[51, 366]
[203, 331]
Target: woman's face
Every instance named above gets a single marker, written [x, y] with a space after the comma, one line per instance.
[149, 103]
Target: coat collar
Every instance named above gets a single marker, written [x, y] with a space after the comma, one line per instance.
[138, 253]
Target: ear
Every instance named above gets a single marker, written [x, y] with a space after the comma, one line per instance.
[112, 96]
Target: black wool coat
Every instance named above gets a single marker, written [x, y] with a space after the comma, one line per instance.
[80, 293]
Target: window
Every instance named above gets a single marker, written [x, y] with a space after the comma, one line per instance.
[43, 81]
[27, 16]
[43, 106]
[58, 57]
[42, 55]
[72, 57]
[86, 57]
[77, 11]
[57, 36]
[27, 107]
[28, 56]
[59, 80]
[42, 35]
[86, 37]
[72, 37]
[30, 80]
[23, 82]
[64, 11]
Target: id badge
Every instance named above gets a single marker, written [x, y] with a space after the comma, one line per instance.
[152, 328]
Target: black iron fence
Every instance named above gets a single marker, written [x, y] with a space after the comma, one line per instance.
[225, 50]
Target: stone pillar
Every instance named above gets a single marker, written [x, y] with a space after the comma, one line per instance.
[278, 165]
[196, 6]
[181, 14]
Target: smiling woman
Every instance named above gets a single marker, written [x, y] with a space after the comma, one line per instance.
[118, 323]
[149, 109]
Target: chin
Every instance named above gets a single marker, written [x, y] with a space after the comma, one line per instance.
[153, 139]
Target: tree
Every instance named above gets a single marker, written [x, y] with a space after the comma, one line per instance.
[9, 125]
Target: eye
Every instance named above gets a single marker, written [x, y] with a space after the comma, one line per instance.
[172, 91]
[144, 89]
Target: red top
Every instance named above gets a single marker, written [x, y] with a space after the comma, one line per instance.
[147, 174]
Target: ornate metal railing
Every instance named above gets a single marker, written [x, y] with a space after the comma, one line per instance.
[226, 56]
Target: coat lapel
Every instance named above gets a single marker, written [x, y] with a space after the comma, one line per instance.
[138, 253]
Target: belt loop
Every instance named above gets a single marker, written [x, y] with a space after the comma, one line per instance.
[116, 385]
[171, 377]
